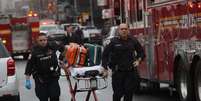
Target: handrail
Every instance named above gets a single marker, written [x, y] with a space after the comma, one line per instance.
[165, 3]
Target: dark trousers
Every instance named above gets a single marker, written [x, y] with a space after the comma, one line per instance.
[123, 84]
[47, 90]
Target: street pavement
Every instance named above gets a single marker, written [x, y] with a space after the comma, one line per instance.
[103, 95]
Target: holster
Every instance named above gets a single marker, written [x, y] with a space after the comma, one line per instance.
[46, 78]
[123, 68]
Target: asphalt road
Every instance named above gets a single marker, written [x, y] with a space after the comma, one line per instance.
[103, 95]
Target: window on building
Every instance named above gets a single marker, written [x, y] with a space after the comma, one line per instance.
[123, 16]
[117, 7]
[132, 11]
[119, 11]
[136, 11]
[150, 2]
[139, 10]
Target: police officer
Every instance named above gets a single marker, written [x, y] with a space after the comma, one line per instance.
[122, 55]
[43, 65]
[79, 35]
[73, 36]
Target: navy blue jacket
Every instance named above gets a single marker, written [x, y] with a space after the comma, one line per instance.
[122, 53]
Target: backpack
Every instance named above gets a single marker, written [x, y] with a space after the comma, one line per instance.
[75, 55]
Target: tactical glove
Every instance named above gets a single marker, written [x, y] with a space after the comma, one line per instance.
[28, 84]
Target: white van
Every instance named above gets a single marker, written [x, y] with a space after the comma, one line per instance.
[8, 78]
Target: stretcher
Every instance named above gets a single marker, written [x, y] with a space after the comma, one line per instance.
[86, 79]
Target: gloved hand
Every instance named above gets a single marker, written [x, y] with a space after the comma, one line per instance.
[28, 84]
[104, 72]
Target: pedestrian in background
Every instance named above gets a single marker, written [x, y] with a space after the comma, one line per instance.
[43, 66]
[122, 55]
[72, 36]
[80, 35]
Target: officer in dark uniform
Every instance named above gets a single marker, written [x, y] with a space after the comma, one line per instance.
[122, 55]
[73, 36]
[43, 65]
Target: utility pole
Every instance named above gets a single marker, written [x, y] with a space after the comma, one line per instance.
[91, 9]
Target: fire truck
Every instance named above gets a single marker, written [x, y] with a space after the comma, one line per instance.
[170, 32]
[18, 34]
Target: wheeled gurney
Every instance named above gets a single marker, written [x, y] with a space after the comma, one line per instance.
[87, 79]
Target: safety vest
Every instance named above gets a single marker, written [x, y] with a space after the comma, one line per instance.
[75, 55]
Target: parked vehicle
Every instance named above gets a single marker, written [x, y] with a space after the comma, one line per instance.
[53, 31]
[64, 25]
[8, 77]
[47, 22]
[170, 31]
[19, 33]
[92, 34]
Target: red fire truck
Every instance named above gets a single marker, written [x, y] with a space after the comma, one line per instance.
[170, 31]
[18, 33]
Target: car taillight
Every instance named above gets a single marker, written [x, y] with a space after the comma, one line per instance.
[10, 67]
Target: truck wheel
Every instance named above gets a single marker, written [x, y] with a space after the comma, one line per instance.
[155, 86]
[197, 81]
[17, 98]
[183, 82]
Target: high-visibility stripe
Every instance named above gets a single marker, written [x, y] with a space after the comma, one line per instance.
[5, 31]
[35, 29]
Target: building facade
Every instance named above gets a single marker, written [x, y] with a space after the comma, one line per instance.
[85, 12]
[129, 11]
[7, 6]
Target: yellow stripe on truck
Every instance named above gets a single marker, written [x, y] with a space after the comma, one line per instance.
[5, 31]
[35, 29]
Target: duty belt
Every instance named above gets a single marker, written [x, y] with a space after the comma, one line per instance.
[123, 69]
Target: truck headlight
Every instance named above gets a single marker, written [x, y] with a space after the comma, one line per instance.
[4, 41]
